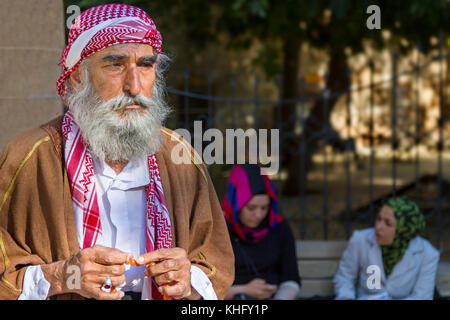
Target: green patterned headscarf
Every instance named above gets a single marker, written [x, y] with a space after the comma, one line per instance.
[410, 223]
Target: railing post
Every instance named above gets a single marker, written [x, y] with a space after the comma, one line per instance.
[233, 101]
[372, 145]
[302, 158]
[256, 102]
[441, 139]
[186, 100]
[210, 102]
[348, 196]
[394, 139]
[417, 133]
[279, 125]
[325, 131]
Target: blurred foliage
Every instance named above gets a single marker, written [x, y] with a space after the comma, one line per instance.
[333, 24]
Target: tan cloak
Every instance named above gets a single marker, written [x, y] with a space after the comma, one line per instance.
[37, 223]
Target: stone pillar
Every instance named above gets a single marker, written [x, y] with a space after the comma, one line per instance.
[31, 43]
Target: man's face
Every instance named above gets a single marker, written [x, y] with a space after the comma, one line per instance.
[117, 102]
[123, 69]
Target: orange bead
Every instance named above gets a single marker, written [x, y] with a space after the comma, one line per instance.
[129, 261]
[113, 290]
[150, 264]
[133, 263]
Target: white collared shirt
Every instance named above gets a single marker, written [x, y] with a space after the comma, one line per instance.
[123, 206]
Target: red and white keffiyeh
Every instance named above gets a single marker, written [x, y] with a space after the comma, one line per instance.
[80, 171]
[100, 27]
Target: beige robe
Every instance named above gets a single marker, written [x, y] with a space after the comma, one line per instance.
[37, 223]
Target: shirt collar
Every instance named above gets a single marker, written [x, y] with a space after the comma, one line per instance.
[135, 174]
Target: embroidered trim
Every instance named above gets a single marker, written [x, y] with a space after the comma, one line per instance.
[3, 249]
[213, 268]
[201, 256]
[13, 181]
[11, 285]
[213, 271]
[188, 149]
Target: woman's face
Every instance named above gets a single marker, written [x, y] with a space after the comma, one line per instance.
[385, 225]
[254, 212]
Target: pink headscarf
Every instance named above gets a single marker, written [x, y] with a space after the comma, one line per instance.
[100, 27]
[246, 181]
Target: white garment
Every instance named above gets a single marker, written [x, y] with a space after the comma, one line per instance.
[288, 290]
[413, 277]
[122, 205]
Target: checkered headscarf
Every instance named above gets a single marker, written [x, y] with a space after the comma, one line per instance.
[100, 27]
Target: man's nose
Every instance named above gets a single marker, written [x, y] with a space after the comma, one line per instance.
[132, 84]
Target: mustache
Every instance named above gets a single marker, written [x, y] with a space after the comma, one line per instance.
[121, 102]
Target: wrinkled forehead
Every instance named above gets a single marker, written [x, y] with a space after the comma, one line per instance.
[125, 50]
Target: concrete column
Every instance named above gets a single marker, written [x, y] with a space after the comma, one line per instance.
[31, 43]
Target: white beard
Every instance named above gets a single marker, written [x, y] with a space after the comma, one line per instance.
[111, 138]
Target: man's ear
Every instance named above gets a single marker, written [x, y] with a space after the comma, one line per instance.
[75, 79]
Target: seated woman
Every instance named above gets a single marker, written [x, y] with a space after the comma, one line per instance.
[263, 243]
[390, 261]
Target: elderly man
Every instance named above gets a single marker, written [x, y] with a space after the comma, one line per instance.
[94, 190]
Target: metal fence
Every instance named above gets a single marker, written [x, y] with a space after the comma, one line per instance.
[314, 211]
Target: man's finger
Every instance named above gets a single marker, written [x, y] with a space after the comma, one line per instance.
[178, 290]
[110, 256]
[167, 266]
[110, 270]
[170, 277]
[118, 295]
[161, 254]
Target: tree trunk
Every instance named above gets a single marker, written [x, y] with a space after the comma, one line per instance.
[318, 121]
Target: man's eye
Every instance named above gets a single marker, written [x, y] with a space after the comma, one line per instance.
[147, 65]
[113, 65]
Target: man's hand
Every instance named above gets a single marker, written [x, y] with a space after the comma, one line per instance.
[171, 271]
[94, 265]
[259, 289]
